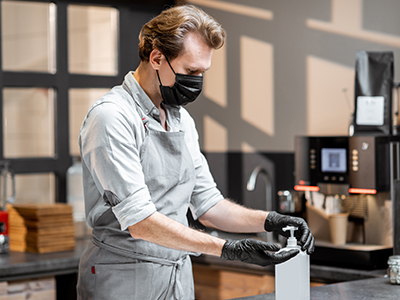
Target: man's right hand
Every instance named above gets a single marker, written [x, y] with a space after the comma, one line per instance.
[255, 252]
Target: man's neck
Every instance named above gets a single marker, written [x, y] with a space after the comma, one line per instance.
[146, 77]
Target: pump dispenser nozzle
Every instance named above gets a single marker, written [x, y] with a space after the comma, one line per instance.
[292, 241]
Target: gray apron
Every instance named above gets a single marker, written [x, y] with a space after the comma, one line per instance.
[117, 266]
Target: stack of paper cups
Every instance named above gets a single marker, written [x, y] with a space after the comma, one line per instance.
[338, 228]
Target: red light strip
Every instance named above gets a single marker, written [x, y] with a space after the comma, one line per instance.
[304, 188]
[362, 191]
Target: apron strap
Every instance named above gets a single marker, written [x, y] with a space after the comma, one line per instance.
[177, 265]
[135, 255]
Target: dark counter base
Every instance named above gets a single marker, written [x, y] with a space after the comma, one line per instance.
[62, 265]
[351, 258]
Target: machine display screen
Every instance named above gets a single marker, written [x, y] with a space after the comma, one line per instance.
[333, 160]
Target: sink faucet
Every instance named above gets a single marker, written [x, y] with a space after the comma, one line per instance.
[251, 185]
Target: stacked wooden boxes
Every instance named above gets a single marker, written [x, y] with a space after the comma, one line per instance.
[41, 228]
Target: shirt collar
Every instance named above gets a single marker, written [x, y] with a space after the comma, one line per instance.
[145, 102]
[139, 95]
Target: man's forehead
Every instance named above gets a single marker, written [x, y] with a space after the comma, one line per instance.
[194, 64]
[196, 54]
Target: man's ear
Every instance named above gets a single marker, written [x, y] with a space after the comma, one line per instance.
[155, 58]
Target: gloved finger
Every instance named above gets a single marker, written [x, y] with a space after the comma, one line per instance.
[308, 244]
[305, 232]
[311, 247]
[301, 233]
[266, 246]
[284, 255]
[272, 247]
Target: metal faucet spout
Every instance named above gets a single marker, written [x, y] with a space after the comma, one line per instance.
[251, 185]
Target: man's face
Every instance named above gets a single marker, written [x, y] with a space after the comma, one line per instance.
[195, 60]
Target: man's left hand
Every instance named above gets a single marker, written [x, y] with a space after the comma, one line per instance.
[275, 222]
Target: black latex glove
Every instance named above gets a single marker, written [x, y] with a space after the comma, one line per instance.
[275, 222]
[255, 252]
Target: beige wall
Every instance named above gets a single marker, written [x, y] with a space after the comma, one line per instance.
[28, 44]
[288, 69]
[28, 34]
[93, 41]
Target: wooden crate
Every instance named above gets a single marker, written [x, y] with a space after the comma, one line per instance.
[41, 228]
[217, 284]
[214, 283]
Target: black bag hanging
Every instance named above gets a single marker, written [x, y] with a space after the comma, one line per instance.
[373, 93]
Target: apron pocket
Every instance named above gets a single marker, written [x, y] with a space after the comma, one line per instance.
[124, 281]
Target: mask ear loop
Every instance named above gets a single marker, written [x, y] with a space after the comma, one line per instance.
[170, 65]
[158, 76]
[159, 80]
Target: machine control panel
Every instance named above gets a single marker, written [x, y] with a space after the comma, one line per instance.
[354, 160]
[321, 160]
[362, 162]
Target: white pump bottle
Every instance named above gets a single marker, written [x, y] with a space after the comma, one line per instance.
[292, 278]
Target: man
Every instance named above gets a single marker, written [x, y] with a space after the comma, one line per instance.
[143, 168]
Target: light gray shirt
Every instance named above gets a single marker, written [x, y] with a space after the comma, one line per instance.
[110, 139]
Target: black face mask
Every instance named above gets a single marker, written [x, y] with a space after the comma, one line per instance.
[185, 89]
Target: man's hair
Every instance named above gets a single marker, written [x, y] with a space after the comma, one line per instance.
[167, 31]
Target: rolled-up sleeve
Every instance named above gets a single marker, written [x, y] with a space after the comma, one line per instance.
[205, 193]
[110, 153]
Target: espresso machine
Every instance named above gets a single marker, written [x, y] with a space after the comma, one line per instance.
[355, 176]
[351, 175]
